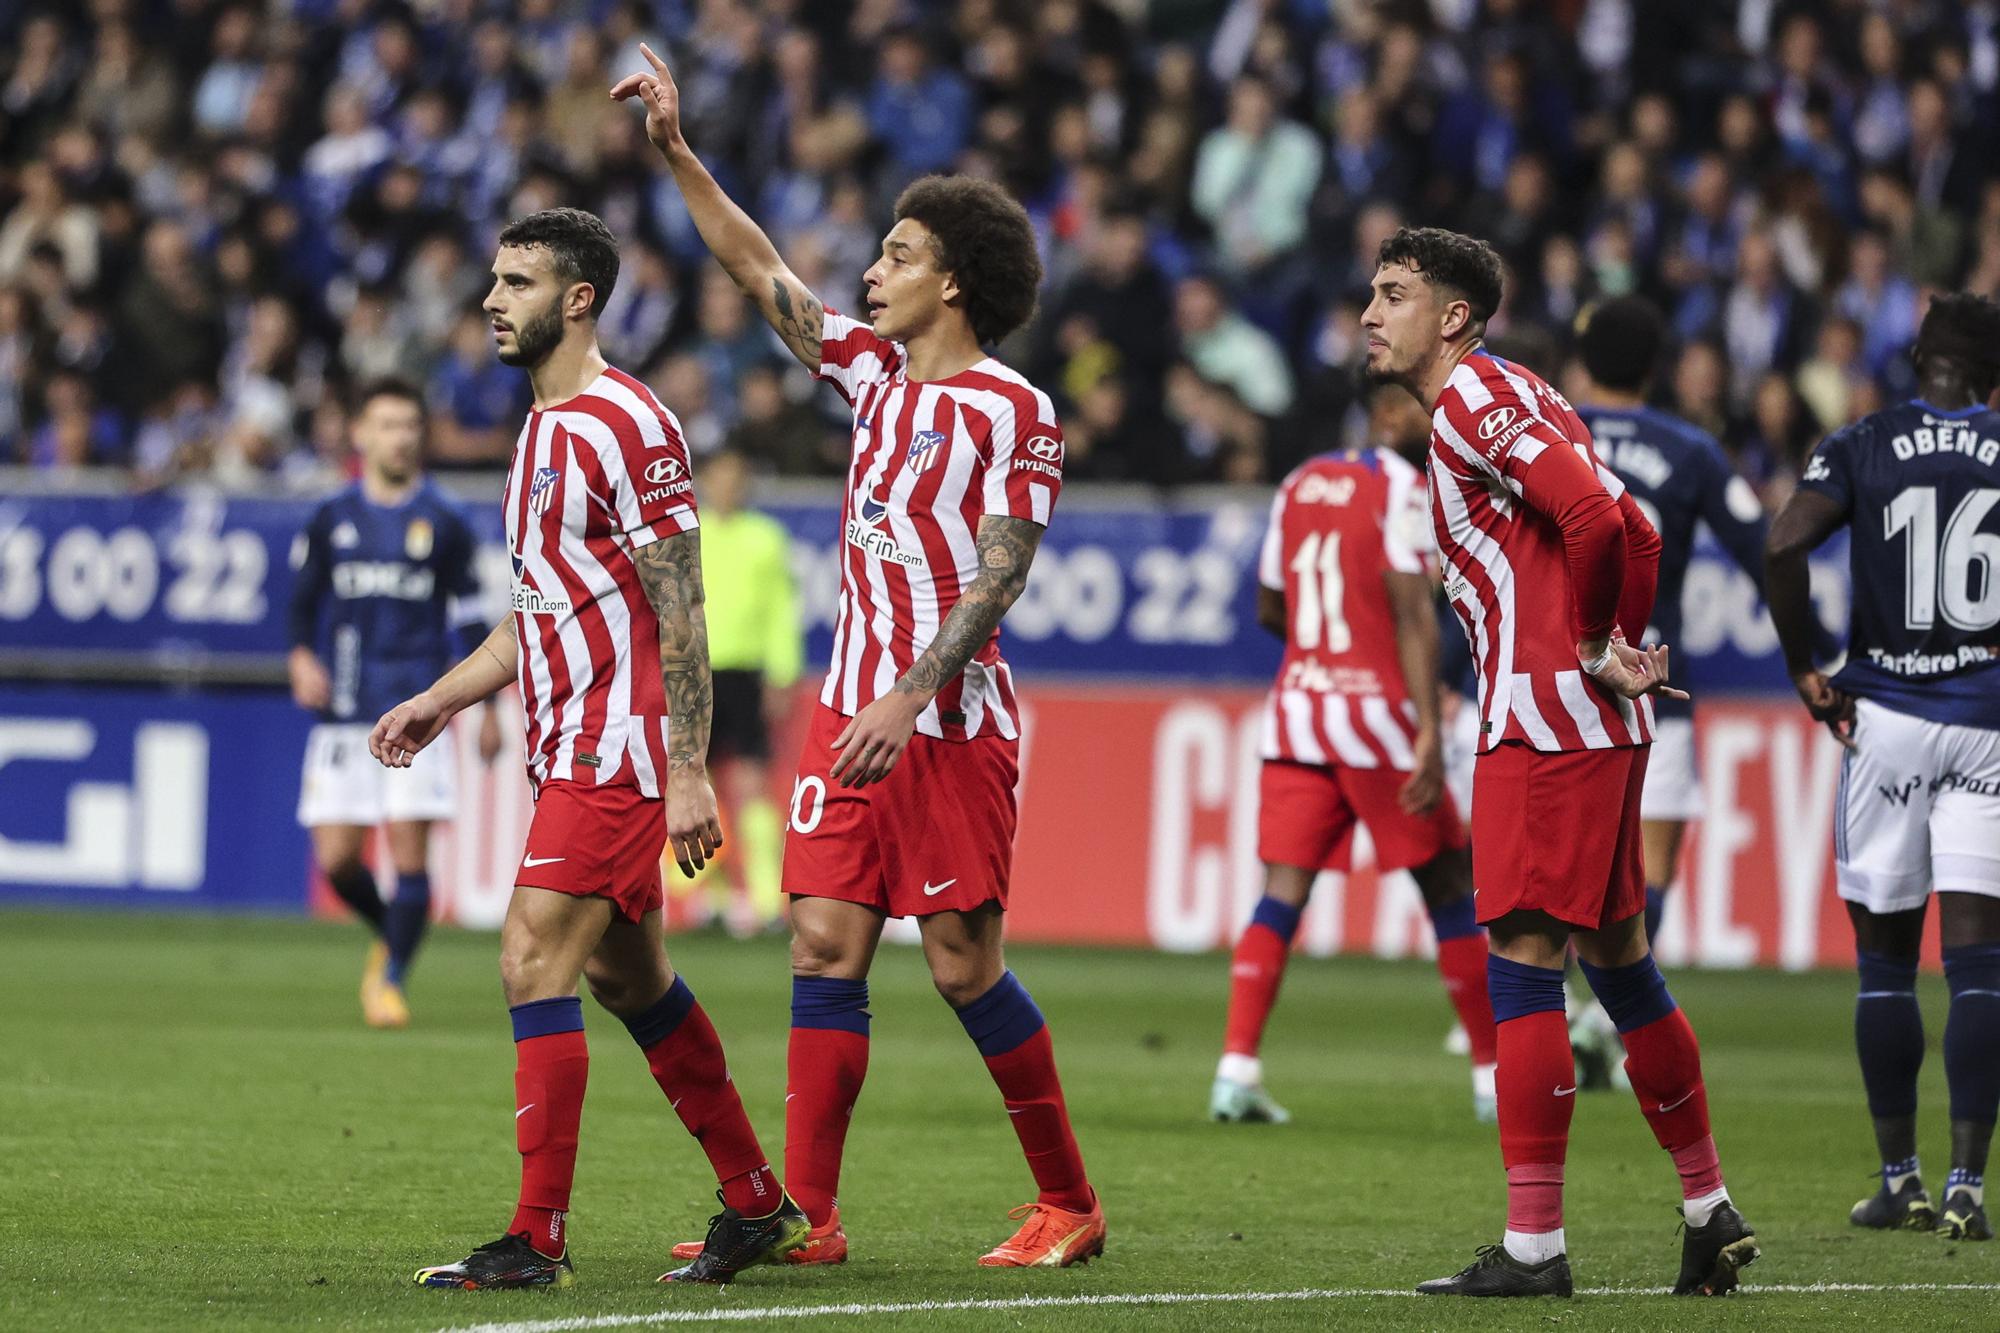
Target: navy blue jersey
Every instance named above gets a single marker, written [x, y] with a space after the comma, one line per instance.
[1679, 476]
[387, 595]
[1920, 489]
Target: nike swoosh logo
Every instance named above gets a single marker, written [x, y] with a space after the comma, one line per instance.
[930, 892]
[1016, 1110]
[1684, 1096]
[1564, 1092]
[675, 1106]
[541, 860]
[790, 1095]
[524, 1110]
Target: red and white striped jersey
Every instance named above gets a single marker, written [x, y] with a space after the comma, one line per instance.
[1339, 523]
[930, 459]
[594, 479]
[1504, 566]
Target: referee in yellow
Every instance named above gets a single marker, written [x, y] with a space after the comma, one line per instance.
[756, 648]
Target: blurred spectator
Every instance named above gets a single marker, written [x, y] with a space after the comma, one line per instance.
[76, 431]
[169, 317]
[1882, 302]
[921, 111]
[476, 403]
[46, 216]
[1226, 349]
[124, 92]
[1253, 178]
[781, 435]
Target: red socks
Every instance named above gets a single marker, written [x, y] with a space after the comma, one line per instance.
[1027, 1080]
[551, 1067]
[1663, 1060]
[1255, 973]
[1462, 964]
[824, 1068]
[1536, 1086]
[685, 1055]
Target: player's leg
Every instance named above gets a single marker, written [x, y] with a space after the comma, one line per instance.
[1883, 867]
[760, 834]
[1256, 970]
[826, 1059]
[1445, 881]
[1889, 1042]
[1965, 864]
[408, 914]
[337, 850]
[544, 943]
[1304, 823]
[1662, 838]
[1671, 800]
[1064, 1224]
[629, 974]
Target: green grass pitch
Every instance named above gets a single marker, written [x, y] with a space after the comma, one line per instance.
[197, 1132]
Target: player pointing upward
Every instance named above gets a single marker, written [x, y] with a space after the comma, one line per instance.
[904, 804]
[1547, 558]
[610, 646]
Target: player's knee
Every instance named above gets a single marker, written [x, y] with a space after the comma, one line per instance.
[621, 990]
[527, 972]
[820, 953]
[962, 978]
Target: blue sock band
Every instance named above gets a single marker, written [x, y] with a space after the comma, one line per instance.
[405, 918]
[1888, 1033]
[1518, 989]
[1002, 1018]
[1894, 1170]
[1960, 1178]
[832, 1003]
[545, 1018]
[1656, 910]
[1281, 919]
[1453, 920]
[1972, 1032]
[1634, 995]
[658, 1021]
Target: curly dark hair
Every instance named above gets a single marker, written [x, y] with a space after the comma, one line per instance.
[983, 238]
[1464, 265]
[1621, 343]
[583, 248]
[1963, 328]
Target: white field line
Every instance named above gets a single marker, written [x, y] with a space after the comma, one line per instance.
[582, 1323]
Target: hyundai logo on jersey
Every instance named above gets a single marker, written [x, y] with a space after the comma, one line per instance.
[541, 491]
[663, 470]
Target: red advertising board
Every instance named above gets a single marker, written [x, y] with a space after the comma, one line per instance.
[1139, 818]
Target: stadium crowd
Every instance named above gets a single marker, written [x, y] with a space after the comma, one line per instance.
[217, 215]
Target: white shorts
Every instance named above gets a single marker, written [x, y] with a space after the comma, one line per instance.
[1918, 809]
[344, 784]
[1461, 752]
[1673, 779]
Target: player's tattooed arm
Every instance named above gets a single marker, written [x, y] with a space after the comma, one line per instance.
[1006, 548]
[798, 317]
[670, 572]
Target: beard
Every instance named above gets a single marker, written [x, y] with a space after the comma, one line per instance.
[534, 340]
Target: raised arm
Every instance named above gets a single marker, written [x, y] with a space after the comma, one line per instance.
[875, 738]
[670, 572]
[737, 242]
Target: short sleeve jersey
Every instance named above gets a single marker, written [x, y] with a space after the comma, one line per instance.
[930, 459]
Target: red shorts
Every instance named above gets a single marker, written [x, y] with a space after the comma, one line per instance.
[597, 842]
[1306, 815]
[1558, 832]
[936, 835]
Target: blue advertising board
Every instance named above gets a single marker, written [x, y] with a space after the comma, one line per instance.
[1121, 588]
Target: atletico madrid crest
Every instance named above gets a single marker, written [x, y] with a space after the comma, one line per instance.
[923, 448]
[542, 491]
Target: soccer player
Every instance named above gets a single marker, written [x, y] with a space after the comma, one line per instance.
[1918, 707]
[610, 646]
[757, 649]
[1352, 735]
[1677, 474]
[386, 582]
[904, 801]
[1551, 566]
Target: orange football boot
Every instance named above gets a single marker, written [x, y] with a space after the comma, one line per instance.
[824, 1245]
[1050, 1238]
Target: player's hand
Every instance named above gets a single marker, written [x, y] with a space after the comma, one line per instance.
[406, 729]
[1631, 672]
[1827, 705]
[694, 828]
[661, 98]
[1425, 787]
[312, 688]
[490, 739]
[874, 739]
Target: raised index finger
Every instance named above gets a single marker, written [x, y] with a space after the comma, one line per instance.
[651, 59]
